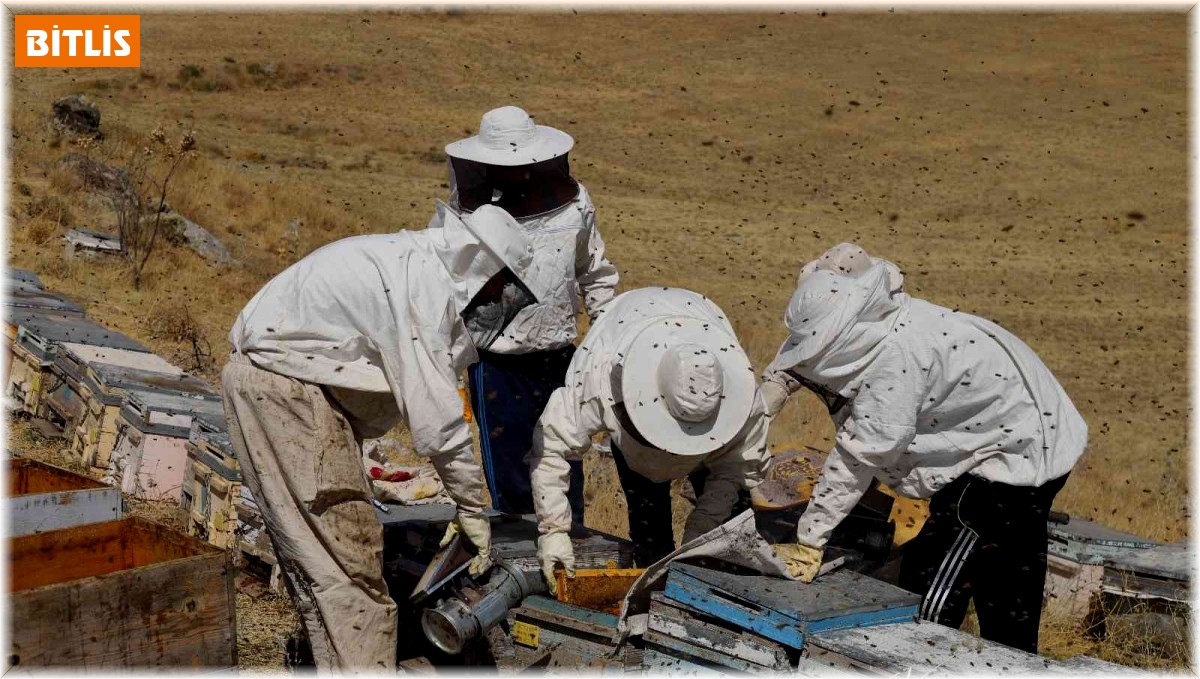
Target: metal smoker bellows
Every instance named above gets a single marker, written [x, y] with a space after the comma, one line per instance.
[458, 619]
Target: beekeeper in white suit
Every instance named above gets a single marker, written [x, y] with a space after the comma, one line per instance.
[935, 404]
[341, 346]
[662, 373]
[523, 168]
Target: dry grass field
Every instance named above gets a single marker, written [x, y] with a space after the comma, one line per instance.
[1029, 168]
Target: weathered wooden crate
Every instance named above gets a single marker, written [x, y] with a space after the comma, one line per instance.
[44, 498]
[682, 632]
[119, 594]
[1075, 563]
[566, 637]
[787, 611]
[411, 536]
[924, 648]
[1146, 596]
[1088, 542]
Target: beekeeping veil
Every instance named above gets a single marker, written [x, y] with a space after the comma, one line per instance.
[513, 164]
[844, 307]
[488, 257]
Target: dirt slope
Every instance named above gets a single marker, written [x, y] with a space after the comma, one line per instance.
[1027, 168]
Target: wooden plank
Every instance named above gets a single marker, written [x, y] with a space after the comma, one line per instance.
[919, 648]
[1171, 561]
[672, 619]
[784, 610]
[655, 661]
[52, 511]
[699, 655]
[27, 477]
[1088, 542]
[924, 649]
[1089, 666]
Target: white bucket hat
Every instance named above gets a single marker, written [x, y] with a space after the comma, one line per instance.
[508, 136]
[688, 386]
[848, 259]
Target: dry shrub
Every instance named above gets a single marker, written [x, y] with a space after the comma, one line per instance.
[41, 231]
[139, 203]
[174, 322]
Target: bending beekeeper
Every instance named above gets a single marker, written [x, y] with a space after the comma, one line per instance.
[341, 346]
[933, 403]
[523, 168]
[662, 373]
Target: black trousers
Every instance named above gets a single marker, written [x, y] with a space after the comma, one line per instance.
[508, 394]
[649, 505]
[984, 541]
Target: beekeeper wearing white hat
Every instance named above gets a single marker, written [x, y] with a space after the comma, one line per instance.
[523, 167]
[341, 346]
[935, 404]
[663, 374]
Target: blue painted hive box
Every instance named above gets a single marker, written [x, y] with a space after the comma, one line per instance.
[788, 611]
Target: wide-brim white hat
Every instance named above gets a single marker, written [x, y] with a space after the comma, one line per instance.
[508, 136]
[647, 404]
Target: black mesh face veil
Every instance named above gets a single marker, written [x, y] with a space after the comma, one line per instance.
[832, 400]
[494, 307]
[522, 191]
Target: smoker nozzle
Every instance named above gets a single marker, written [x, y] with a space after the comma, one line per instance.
[453, 623]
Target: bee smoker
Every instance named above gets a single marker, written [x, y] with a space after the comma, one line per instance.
[468, 607]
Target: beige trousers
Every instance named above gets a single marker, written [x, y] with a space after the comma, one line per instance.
[302, 462]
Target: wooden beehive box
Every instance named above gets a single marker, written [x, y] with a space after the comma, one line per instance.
[567, 637]
[412, 533]
[680, 638]
[926, 649]
[44, 498]
[1075, 563]
[119, 594]
[1146, 595]
[788, 611]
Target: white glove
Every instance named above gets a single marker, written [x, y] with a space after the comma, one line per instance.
[463, 480]
[555, 549]
[476, 527]
[803, 561]
[774, 396]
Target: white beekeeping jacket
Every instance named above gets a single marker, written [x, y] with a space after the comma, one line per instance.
[380, 314]
[584, 407]
[568, 260]
[933, 394]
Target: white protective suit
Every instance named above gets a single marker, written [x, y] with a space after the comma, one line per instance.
[583, 408]
[568, 258]
[377, 318]
[932, 394]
